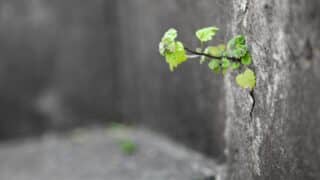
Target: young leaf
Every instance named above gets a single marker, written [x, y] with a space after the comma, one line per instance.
[162, 48]
[235, 65]
[206, 34]
[176, 57]
[246, 59]
[199, 50]
[225, 63]
[237, 47]
[203, 58]
[247, 79]
[216, 50]
[167, 43]
[214, 65]
[171, 34]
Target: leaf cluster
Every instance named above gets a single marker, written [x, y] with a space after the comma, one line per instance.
[221, 58]
[173, 50]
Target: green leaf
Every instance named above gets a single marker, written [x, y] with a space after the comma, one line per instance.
[216, 50]
[247, 79]
[225, 63]
[237, 47]
[171, 34]
[171, 49]
[206, 34]
[199, 50]
[167, 43]
[127, 146]
[246, 59]
[203, 58]
[239, 40]
[162, 48]
[235, 65]
[176, 57]
[214, 65]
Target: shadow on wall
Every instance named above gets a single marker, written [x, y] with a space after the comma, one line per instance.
[66, 63]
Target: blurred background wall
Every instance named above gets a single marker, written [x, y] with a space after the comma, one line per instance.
[186, 104]
[67, 63]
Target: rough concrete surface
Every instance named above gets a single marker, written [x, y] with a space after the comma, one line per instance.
[95, 155]
[274, 132]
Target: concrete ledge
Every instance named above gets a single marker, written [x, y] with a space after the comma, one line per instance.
[95, 155]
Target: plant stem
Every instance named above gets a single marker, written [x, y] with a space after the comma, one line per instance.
[193, 56]
[210, 56]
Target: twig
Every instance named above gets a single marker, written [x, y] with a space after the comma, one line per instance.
[209, 56]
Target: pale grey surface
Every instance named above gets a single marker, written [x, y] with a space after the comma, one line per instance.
[95, 155]
[275, 134]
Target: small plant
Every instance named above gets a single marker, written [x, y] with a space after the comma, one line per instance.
[117, 126]
[221, 58]
[127, 146]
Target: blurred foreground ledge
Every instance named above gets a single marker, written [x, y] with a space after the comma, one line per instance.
[95, 154]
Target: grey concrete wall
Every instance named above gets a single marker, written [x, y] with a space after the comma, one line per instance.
[66, 63]
[80, 62]
[85, 63]
[27, 46]
[281, 138]
[56, 64]
[186, 104]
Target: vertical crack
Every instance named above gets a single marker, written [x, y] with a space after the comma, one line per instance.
[253, 103]
[246, 7]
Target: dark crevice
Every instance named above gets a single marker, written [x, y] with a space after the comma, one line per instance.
[253, 103]
[210, 178]
[247, 7]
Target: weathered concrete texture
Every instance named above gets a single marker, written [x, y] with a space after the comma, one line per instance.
[186, 104]
[95, 155]
[281, 138]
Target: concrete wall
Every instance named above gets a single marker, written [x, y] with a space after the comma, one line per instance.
[67, 63]
[281, 138]
[56, 64]
[27, 46]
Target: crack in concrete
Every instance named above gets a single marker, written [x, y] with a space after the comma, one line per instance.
[253, 104]
[246, 7]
